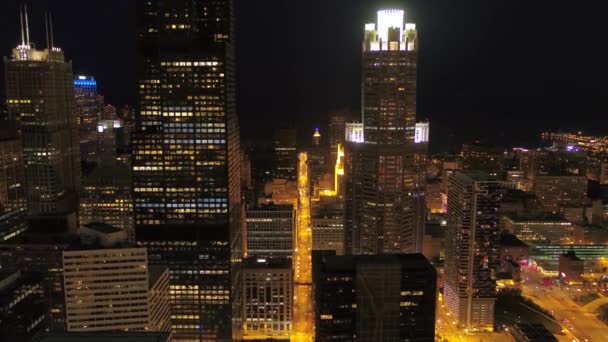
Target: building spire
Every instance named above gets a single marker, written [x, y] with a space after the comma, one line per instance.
[21, 25]
[46, 29]
[27, 26]
[51, 27]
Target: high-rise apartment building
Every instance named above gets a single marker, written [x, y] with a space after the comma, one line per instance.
[385, 177]
[374, 297]
[186, 177]
[109, 286]
[88, 112]
[285, 153]
[267, 299]
[40, 100]
[270, 231]
[472, 254]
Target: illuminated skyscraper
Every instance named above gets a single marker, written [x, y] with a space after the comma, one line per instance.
[389, 79]
[40, 100]
[88, 113]
[385, 180]
[185, 163]
[472, 252]
[13, 207]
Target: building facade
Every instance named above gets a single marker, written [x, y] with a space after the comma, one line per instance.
[186, 170]
[268, 299]
[270, 231]
[40, 101]
[110, 289]
[285, 153]
[472, 254]
[88, 111]
[374, 297]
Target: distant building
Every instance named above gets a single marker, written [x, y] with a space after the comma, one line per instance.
[354, 132]
[22, 305]
[483, 158]
[337, 134]
[539, 228]
[327, 223]
[571, 268]
[433, 197]
[316, 138]
[421, 133]
[285, 153]
[106, 197]
[268, 299]
[374, 297]
[473, 235]
[270, 231]
[555, 191]
[109, 286]
[88, 111]
[280, 191]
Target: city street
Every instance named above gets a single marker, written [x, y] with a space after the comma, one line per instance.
[580, 325]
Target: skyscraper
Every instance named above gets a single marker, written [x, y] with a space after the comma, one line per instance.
[472, 254]
[337, 134]
[40, 100]
[385, 178]
[185, 163]
[88, 113]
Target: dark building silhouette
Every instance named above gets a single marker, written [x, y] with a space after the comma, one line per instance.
[374, 297]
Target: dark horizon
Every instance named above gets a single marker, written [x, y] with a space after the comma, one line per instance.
[501, 71]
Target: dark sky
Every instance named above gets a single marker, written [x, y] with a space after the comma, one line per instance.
[496, 69]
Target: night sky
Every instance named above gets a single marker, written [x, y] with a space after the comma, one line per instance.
[488, 69]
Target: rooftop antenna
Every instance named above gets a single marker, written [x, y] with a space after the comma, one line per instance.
[21, 25]
[27, 26]
[51, 26]
[46, 28]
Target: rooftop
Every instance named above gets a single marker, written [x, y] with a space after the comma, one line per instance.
[510, 240]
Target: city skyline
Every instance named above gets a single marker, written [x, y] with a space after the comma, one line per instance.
[266, 178]
[485, 78]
